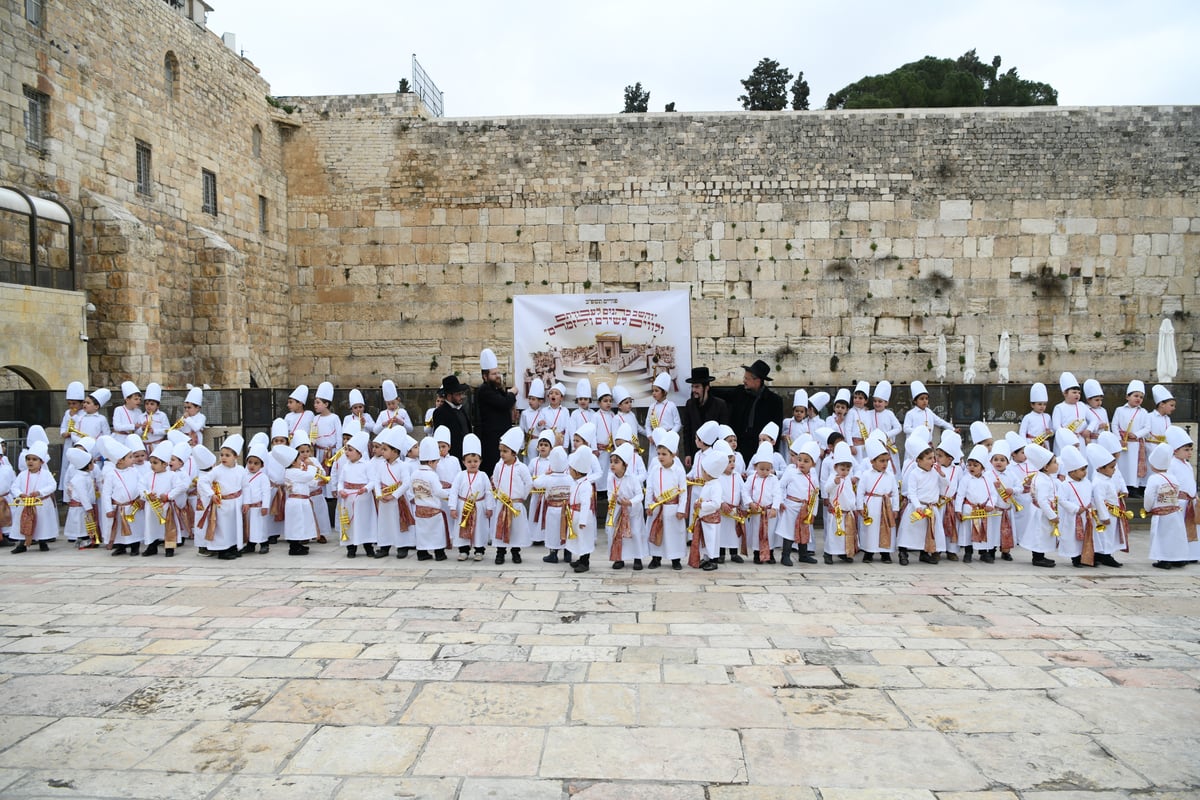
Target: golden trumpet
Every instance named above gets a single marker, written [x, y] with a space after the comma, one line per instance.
[1043, 436]
[612, 513]
[1142, 513]
[1008, 497]
[862, 431]
[1074, 425]
[653, 421]
[839, 515]
[334, 457]
[812, 508]
[178, 423]
[506, 501]
[920, 514]
[72, 430]
[344, 518]
[668, 496]
[156, 505]
[28, 502]
[467, 509]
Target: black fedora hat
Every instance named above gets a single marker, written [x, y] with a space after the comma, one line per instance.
[451, 385]
[700, 375]
[759, 369]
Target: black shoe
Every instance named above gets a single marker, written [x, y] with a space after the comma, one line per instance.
[868, 558]
[828, 558]
[369, 550]
[21, 548]
[227, 555]
[246, 551]
[968, 554]
[757, 558]
[846, 559]
[583, 564]
[500, 554]
[8, 543]
[265, 547]
[551, 557]
[424, 555]
[170, 552]
[439, 555]
[118, 550]
[273, 539]
[382, 552]
[618, 565]
[656, 562]
[401, 552]
[202, 551]
[1076, 561]
[988, 556]
[303, 549]
[1110, 561]
[1043, 562]
[951, 556]
[886, 558]
[1156, 564]
[44, 547]
[351, 551]
[735, 558]
[805, 556]
[637, 564]
[708, 565]
[134, 548]
[516, 555]
[1006, 556]
[927, 558]
[904, 558]
[785, 554]
[676, 564]
[721, 558]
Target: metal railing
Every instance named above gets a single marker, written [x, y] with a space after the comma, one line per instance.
[426, 89]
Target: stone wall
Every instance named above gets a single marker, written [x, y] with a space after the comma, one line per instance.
[179, 292]
[834, 244]
[39, 335]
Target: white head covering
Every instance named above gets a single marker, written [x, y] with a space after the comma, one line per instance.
[549, 437]
[810, 449]
[153, 392]
[1037, 456]
[128, 388]
[1177, 437]
[234, 443]
[722, 447]
[602, 389]
[162, 451]
[300, 394]
[724, 431]
[557, 460]
[1015, 441]
[978, 453]
[583, 389]
[864, 387]
[1000, 448]
[624, 432]
[352, 427]
[587, 432]
[558, 387]
[980, 431]
[708, 432]
[1160, 457]
[260, 438]
[620, 394]
[1065, 438]
[823, 435]
[1109, 441]
[916, 389]
[202, 457]
[771, 430]
[842, 454]
[951, 443]
[714, 463]
[818, 400]
[764, 454]
[471, 445]
[195, 396]
[1135, 386]
[36, 433]
[842, 396]
[299, 439]
[279, 429]
[670, 440]
[324, 391]
[101, 396]
[356, 398]
[40, 450]
[75, 390]
[442, 434]
[914, 446]
[663, 381]
[1092, 388]
[1070, 459]
[284, 456]
[135, 444]
[258, 451]
[389, 391]
[800, 399]
[581, 460]
[1160, 392]
[1098, 456]
[537, 388]
[626, 453]
[429, 450]
[79, 458]
[1067, 381]
[1038, 393]
[513, 439]
[183, 451]
[875, 448]
[360, 442]
[883, 391]
[175, 437]
[487, 360]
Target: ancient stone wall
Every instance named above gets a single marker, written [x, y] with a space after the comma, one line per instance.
[179, 292]
[834, 244]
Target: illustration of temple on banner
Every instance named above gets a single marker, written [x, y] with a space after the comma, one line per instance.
[611, 338]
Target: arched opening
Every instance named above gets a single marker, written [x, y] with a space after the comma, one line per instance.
[17, 378]
[171, 74]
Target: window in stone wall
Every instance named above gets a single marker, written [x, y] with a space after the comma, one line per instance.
[210, 192]
[256, 141]
[262, 214]
[34, 10]
[171, 74]
[36, 104]
[145, 184]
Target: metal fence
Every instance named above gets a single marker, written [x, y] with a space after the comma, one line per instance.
[424, 87]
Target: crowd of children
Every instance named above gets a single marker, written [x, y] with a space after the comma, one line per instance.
[571, 479]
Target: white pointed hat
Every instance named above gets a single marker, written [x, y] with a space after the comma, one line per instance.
[488, 360]
[75, 390]
[300, 394]
[389, 391]
[153, 392]
[663, 381]
[1038, 393]
[195, 396]
[128, 388]
[324, 391]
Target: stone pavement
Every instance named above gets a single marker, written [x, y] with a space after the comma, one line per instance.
[276, 677]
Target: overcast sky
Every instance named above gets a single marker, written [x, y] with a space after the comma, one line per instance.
[526, 57]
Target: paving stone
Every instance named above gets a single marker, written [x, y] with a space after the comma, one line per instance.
[488, 751]
[965, 710]
[708, 706]
[840, 708]
[276, 787]
[1046, 761]
[1166, 763]
[357, 750]
[1146, 712]
[660, 754]
[604, 704]
[511, 789]
[484, 704]
[197, 698]
[67, 695]
[392, 788]
[64, 782]
[82, 743]
[332, 702]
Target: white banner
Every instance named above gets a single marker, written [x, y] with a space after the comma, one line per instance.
[625, 338]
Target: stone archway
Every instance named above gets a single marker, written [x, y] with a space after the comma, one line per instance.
[16, 377]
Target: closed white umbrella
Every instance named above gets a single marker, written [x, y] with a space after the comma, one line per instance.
[1168, 362]
[969, 359]
[1003, 356]
[939, 370]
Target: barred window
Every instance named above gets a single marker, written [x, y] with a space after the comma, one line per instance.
[210, 192]
[33, 11]
[262, 214]
[171, 74]
[35, 118]
[144, 181]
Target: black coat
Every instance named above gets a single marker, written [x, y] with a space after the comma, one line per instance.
[457, 421]
[494, 407]
[694, 415]
[748, 418]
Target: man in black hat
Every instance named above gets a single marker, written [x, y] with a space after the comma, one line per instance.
[495, 405]
[700, 408]
[452, 414]
[754, 408]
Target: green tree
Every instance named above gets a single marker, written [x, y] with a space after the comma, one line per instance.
[403, 88]
[800, 93]
[636, 99]
[766, 88]
[941, 83]
[669, 107]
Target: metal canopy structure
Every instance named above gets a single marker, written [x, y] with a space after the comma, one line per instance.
[38, 209]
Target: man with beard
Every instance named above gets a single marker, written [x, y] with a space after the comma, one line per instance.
[700, 408]
[452, 414]
[494, 405]
[754, 408]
